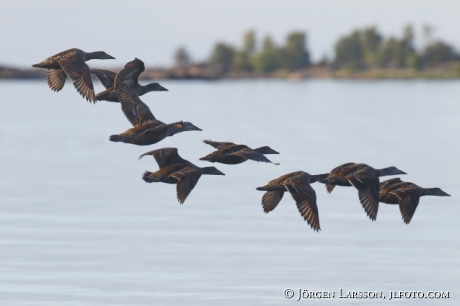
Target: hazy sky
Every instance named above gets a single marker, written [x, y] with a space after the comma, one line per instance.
[30, 31]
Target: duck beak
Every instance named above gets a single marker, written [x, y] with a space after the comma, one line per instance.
[193, 128]
[400, 172]
[161, 88]
[444, 194]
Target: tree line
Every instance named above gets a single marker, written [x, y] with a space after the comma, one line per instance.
[251, 57]
[360, 50]
[367, 48]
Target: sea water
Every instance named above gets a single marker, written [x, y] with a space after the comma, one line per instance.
[78, 225]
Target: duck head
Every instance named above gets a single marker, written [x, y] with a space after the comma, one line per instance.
[186, 126]
[155, 87]
[135, 61]
[391, 171]
[435, 192]
[98, 55]
[178, 127]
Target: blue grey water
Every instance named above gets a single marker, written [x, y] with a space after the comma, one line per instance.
[78, 225]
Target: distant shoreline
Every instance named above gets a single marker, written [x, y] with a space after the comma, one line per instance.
[204, 72]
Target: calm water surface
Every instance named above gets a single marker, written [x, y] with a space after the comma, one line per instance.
[78, 226]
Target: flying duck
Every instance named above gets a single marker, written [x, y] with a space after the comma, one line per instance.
[176, 170]
[298, 185]
[72, 63]
[406, 195]
[146, 128]
[365, 179]
[130, 75]
[231, 154]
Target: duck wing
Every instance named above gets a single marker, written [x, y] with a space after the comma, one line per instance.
[158, 128]
[329, 188]
[408, 202]
[305, 199]
[219, 145]
[56, 79]
[187, 179]
[384, 190]
[166, 157]
[77, 70]
[368, 192]
[106, 77]
[131, 71]
[389, 183]
[136, 111]
[271, 199]
[343, 169]
[253, 155]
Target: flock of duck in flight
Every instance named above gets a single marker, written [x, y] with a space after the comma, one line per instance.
[124, 87]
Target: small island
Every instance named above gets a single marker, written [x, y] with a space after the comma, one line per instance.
[362, 54]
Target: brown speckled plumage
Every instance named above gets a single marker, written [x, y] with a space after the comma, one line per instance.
[71, 63]
[365, 179]
[298, 185]
[231, 154]
[176, 170]
[406, 195]
[146, 129]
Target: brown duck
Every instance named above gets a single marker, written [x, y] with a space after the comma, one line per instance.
[365, 179]
[176, 170]
[298, 185]
[72, 63]
[407, 195]
[231, 154]
[146, 129]
[130, 75]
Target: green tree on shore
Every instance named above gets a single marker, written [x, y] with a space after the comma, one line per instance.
[438, 53]
[271, 57]
[399, 53]
[294, 55]
[268, 60]
[366, 49]
[362, 49]
[243, 60]
[182, 58]
[349, 51]
[222, 56]
[371, 42]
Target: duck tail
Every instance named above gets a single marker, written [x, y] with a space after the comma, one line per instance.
[151, 177]
[329, 188]
[116, 138]
[107, 95]
[41, 64]
[101, 96]
[207, 158]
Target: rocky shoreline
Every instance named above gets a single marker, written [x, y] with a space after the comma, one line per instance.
[206, 72]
